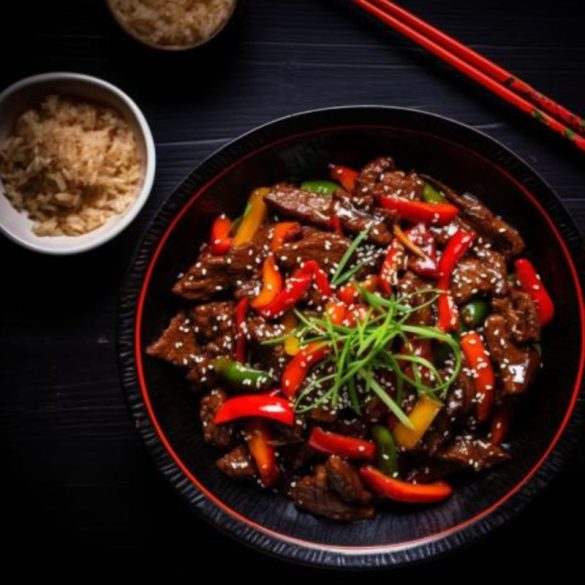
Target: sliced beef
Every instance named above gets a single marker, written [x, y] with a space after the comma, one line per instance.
[517, 365]
[412, 287]
[237, 464]
[213, 320]
[355, 219]
[291, 201]
[201, 374]
[216, 435]
[212, 275]
[521, 315]
[400, 184]
[370, 175]
[504, 237]
[444, 233]
[312, 493]
[177, 344]
[469, 452]
[270, 357]
[344, 479]
[326, 248]
[473, 276]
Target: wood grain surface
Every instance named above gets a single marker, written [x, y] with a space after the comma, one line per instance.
[81, 499]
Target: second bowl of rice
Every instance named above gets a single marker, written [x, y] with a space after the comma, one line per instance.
[77, 162]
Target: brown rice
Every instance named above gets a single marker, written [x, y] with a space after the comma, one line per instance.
[172, 22]
[70, 165]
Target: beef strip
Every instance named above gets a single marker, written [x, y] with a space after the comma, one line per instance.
[201, 375]
[484, 275]
[444, 233]
[411, 284]
[469, 452]
[517, 365]
[400, 184]
[521, 315]
[504, 237]
[344, 479]
[213, 320]
[237, 464]
[370, 175]
[326, 248]
[313, 494]
[216, 435]
[355, 219]
[290, 201]
[212, 275]
[177, 344]
[270, 357]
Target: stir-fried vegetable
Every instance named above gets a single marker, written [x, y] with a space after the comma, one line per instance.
[390, 265]
[271, 284]
[420, 211]
[530, 282]
[431, 195]
[291, 342]
[402, 491]
[296, 370]
[253, 219]
[335, 444]
[344, 175]
[386, 449]
[321, 187]
[473, 314]
[256, 405]
[238, 376]
[221, 241]
[283, 232]
[259, 440]
[421, 417]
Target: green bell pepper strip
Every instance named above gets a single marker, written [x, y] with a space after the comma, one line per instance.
[320, 187]
[474, 313]
[431, 195]
[386, 449]
[238, 376]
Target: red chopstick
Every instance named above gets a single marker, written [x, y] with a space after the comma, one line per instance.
[482, 70]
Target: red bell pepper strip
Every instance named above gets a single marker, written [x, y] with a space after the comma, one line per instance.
[423, 239]
[500, 424]
[312, 268]
[349, 292]
[221, 241]
[293, 292]
[336, 225]
[344, 175]
[256, 405]
[296, 370]
[456, 247]
[420, 211]
[484, 379]
[336, 311]
[334, 444]
[258, 438]
[531, 284]
[283, 232]
[402, 491]
[271, 284]
[240, 315]
[390, 266]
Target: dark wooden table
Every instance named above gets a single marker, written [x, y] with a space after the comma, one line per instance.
[81, 498]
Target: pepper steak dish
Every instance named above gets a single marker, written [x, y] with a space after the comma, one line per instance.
[358, 340]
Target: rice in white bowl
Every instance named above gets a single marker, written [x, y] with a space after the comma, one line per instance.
[172, 22]
[70, 165]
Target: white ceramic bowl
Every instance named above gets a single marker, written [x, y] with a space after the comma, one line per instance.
[28, 93]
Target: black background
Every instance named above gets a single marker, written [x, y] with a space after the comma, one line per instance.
[80, 498]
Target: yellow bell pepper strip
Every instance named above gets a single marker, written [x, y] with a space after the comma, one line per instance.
[402, 491]
[334, 444]
[221, 241]
[483, 378]
[256, 406]
[271, 284]
[259, 440]
[530, 283]
[253, 219]
[460, 242]
[291, 344]
[344, 175]
[282, 232]
[296, 370]
[421, 417]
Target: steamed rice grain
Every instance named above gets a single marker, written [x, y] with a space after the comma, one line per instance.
[70, 165]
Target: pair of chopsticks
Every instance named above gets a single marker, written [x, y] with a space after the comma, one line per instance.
[477, 67]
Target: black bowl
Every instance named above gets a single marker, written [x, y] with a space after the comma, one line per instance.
[299, 147]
